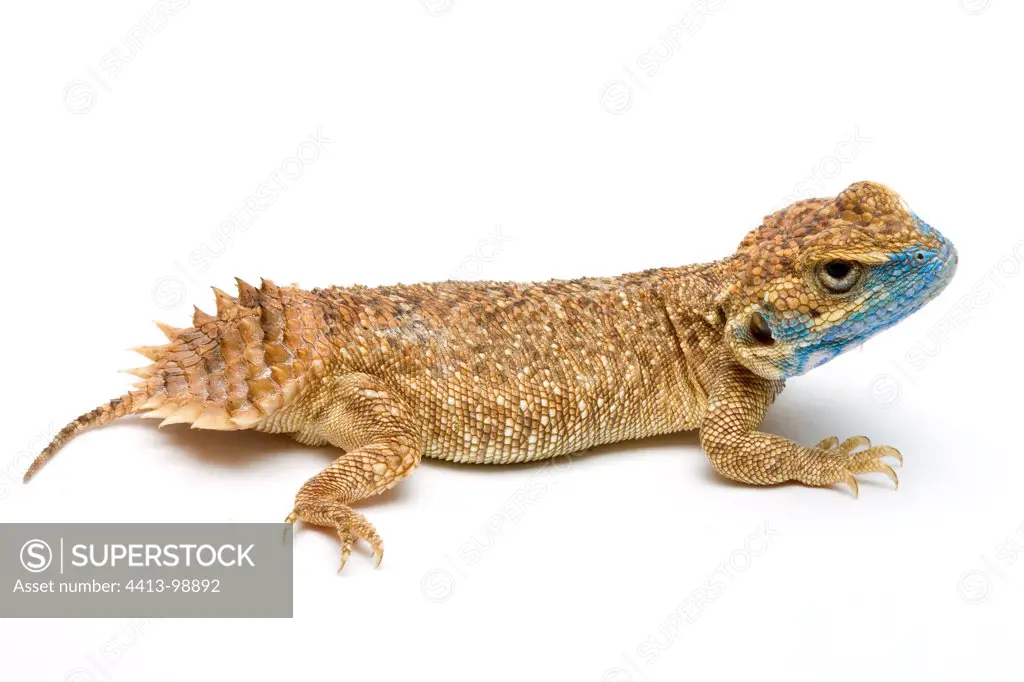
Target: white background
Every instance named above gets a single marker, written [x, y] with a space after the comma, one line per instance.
[598, 138]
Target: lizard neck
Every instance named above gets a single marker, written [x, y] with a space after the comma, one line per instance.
[690, 300]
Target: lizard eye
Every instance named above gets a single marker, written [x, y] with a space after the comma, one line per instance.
[760, 330]
[839, 276]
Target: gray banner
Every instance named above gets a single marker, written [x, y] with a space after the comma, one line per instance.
[146, 570]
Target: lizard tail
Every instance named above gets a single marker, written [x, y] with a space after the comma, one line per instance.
[227, 372]
[102, 415]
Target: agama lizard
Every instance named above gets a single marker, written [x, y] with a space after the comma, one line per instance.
[492, 373]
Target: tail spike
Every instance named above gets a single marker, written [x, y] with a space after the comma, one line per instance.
[165, 410]
[154, 353]
[170, 332]
[227, 306]
[268, 287]
[153, 402]
[248, 295]
[140, 372]
[183, 415]
[215, 418]
[199, 318]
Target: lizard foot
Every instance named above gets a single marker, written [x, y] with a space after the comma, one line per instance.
[835, 462]
[350, 525]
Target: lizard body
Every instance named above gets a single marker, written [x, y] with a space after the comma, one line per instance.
[486, 372]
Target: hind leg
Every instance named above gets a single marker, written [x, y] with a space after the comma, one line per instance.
[356, 413]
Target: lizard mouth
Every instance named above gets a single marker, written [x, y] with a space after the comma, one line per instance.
[949, 259]
[952, 260]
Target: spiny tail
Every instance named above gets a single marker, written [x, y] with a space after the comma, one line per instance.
[101, 416]
[226, 372]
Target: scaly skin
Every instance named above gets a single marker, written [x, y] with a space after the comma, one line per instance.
[500, 372]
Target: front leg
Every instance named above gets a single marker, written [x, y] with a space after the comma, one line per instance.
[729, 437]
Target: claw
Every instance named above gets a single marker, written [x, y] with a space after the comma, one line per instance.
[852, 483]
[291, 518]
[887, 451]
[851, 457]
[857, 442]
[887, 470]
[351, 527]
[828, 443]
[346, 547]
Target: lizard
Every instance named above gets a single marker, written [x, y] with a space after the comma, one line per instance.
[505, 372]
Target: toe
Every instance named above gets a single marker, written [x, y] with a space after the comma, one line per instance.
[828, 443]
[346, 551]
[887, 470]
[887, 451]
[290, 520]
[852, 483]
[855, 443]
[347, 538]
[350, 525]
[369, 535]
[870, 461]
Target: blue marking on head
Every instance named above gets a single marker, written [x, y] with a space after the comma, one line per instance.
[822, 276]
[890, 291]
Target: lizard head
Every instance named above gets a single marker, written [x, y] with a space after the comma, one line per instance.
[823, 275]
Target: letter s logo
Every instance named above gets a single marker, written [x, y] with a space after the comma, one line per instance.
[36, 556]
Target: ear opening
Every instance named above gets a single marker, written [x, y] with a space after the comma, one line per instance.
[760, 330]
